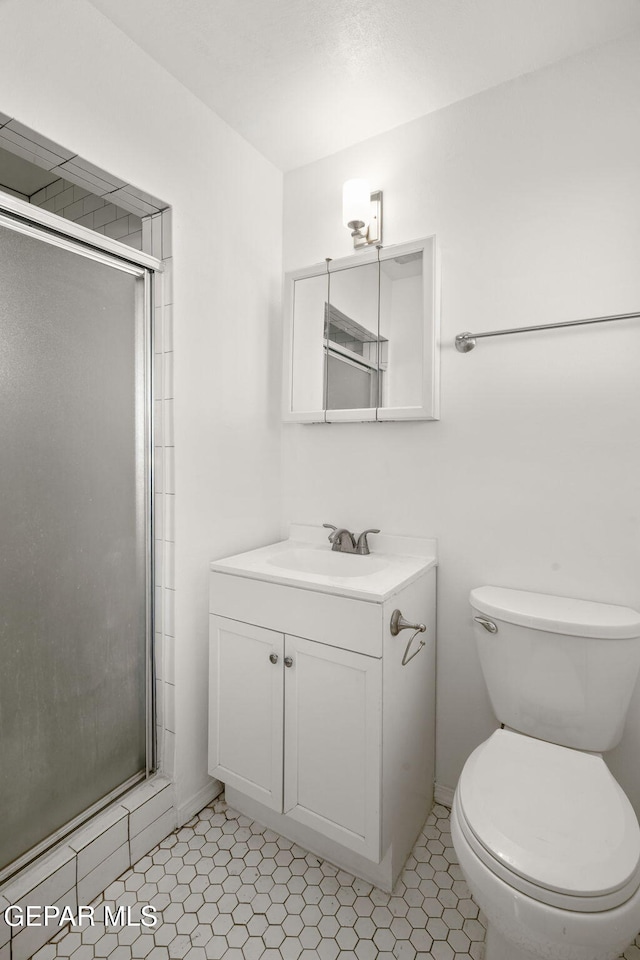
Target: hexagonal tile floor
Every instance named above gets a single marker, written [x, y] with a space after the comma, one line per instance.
[225, 887]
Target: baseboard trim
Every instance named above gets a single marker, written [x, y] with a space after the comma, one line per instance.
[443, 795]
[198, 801]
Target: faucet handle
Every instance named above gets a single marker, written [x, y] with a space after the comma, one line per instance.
[331, 527]
[363, 546]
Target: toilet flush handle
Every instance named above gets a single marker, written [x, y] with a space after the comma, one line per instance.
[489, 625]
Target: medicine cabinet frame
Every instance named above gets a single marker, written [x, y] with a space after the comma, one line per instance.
[427, 405]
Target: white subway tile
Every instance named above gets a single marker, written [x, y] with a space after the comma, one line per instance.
[156, 236]
[4, 118]
[150, 837]
[158, 564]
[30, 939]
[158, 456]
[134, 240]
[55, 188]
[49, 205]
[117, 228]
[170, 565]
[159, 649]
[169, 708]
[91, 203]
[169, 517]
[79, 193]
[147, 805]
[167, 385]
[128, 199]
[38, 197]
[74, 171]
[158, 329]
[105, 214]
[39, 141]
[90, 170]
[159, 702]
[5, 929]
[158, 432]
[15, 145]
[168, 659]
[45, 881]
[169, 611]
[158, 367]
[166, 233]
[73, 211]
[100, 840]
[158, 516]
[168, 327]
[169, 753]
[167, 285]
[104, 873]
[86, 220]
[168, 432]
[63, 199]
[146, 234]
[169, 470]
[157, 608]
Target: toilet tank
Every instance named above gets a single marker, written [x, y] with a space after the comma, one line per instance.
[557, 669]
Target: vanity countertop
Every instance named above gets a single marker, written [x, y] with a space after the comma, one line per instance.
[306, 560]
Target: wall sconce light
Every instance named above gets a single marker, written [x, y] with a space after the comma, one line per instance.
[362, 212]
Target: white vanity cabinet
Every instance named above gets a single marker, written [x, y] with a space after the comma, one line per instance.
[286, 704]
[316, 727]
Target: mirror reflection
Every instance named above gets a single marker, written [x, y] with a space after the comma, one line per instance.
[351, 335]
[401, 330]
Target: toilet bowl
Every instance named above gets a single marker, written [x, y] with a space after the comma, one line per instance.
[547, 840]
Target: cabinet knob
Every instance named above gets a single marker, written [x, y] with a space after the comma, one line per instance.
[288, 661]
[273, 657]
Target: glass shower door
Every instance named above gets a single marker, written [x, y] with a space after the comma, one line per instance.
[74, 532]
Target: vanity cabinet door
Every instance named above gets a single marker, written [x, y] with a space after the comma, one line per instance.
[245, 709]
[333, 709]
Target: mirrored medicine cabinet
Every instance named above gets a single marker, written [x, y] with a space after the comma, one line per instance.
[361, 337]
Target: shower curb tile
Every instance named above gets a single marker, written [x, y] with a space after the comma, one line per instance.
[29, 940]
[153, 834]
[145, 814]
[58, 870]
[112, 867]
[146, 792]
[97, 841]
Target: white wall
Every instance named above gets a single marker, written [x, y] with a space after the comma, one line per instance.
[109, 102]
[531, 478]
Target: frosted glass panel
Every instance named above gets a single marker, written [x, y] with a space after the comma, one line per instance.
[72, 529]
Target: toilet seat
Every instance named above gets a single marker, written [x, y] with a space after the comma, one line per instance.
[550, 821]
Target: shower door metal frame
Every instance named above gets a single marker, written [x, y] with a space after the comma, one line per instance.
[47, 227]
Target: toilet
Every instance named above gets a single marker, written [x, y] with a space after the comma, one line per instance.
[546, 838]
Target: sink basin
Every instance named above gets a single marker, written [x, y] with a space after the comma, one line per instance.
[306, 560]
[328, 563]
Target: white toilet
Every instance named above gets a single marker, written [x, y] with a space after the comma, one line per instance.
[547, 840]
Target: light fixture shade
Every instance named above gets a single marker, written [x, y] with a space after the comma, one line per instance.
[356, 203]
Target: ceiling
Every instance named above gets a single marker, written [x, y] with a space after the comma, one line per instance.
[301, 79]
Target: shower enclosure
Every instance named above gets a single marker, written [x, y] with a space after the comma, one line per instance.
[76, 703]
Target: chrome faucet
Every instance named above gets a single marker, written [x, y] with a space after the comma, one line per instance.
[344, 541]
[341, 539]
[362, 546]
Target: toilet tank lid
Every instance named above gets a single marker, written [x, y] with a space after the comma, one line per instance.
[540, 611]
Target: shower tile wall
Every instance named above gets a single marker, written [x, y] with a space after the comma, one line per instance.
[96, 854]
[156, 239]
[75, 203]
